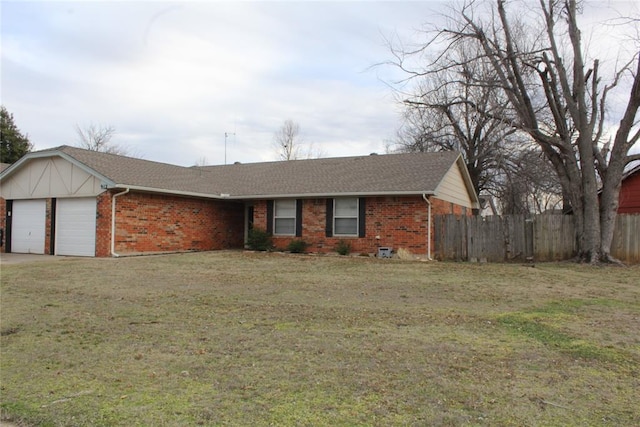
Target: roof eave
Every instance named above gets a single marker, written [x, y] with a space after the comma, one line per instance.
[469, 183]
[328, 195]
[173, 192]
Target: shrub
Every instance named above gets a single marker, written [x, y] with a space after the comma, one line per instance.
[259, 240]
[343, 247]
[297, 246]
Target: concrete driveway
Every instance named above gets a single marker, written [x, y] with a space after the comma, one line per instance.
[6, 259]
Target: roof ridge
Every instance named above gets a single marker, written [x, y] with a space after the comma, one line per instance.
[66, 148]
[335, 158]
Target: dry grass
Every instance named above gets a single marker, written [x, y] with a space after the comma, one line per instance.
[231, 338]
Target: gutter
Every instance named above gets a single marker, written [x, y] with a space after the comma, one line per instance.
[426, 199]
[330, 195]
[214, 196]
[241, 197]
[113, 221]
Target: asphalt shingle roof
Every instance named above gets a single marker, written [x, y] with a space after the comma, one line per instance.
[382, 174]
[410, 173]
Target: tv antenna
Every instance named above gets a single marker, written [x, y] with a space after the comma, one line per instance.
[226, 135]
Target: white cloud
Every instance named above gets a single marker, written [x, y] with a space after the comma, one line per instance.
[172, 78]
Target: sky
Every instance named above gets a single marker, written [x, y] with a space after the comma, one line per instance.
[173, 78]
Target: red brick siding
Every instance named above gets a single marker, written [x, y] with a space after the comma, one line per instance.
[103, 224]
[158, 223]
[399, 222]
[629, 201]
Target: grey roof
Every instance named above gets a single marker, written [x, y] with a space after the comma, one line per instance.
[410, 173]
[375, 174]
[122, 171]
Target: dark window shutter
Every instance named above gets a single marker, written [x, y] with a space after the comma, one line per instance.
[270, 216]
[52, 239]
[299, 217]
[362, 211]
[329, 227]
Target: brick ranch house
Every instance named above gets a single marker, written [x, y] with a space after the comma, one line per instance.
[70, 201]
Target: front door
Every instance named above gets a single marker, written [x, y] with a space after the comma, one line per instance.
[248, 223]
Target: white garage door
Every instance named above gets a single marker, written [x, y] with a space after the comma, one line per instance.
[76, 227]
[28, 226]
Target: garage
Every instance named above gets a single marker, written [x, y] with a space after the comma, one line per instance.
[76, 226]
[28, 219]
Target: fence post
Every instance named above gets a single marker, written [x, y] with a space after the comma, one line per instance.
[528, 240]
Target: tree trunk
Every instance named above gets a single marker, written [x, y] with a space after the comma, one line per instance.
[609, 200]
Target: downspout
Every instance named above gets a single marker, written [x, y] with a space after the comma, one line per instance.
[426, 199]
[113, 221]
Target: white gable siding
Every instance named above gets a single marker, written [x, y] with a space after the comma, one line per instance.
[452, 188]
[49, 177]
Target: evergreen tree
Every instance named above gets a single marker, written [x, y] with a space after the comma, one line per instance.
[13, 144]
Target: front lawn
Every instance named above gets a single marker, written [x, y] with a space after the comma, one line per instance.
[238, 338]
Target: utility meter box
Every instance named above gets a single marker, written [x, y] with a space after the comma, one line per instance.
[384, 252]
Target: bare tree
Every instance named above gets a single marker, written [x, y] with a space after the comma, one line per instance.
[527, 184]
[289, 146]
[443, 112]
[286, 140]
[98, 138]
[202, 161]
[559, 97]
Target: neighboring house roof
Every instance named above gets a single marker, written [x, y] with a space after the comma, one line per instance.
[3, 166]
[634, 170]
[390, 174]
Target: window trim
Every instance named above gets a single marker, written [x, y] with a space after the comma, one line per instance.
[356, 217]
[294, 217]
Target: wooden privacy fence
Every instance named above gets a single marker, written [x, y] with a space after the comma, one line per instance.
[516, 237]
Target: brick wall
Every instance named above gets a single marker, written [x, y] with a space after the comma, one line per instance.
[396, 222]
[159, 223]
[103, 224]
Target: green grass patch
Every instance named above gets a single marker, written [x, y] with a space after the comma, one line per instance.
[544, 324]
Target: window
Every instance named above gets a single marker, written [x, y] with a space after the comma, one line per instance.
[284, 217]
[345, 217]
